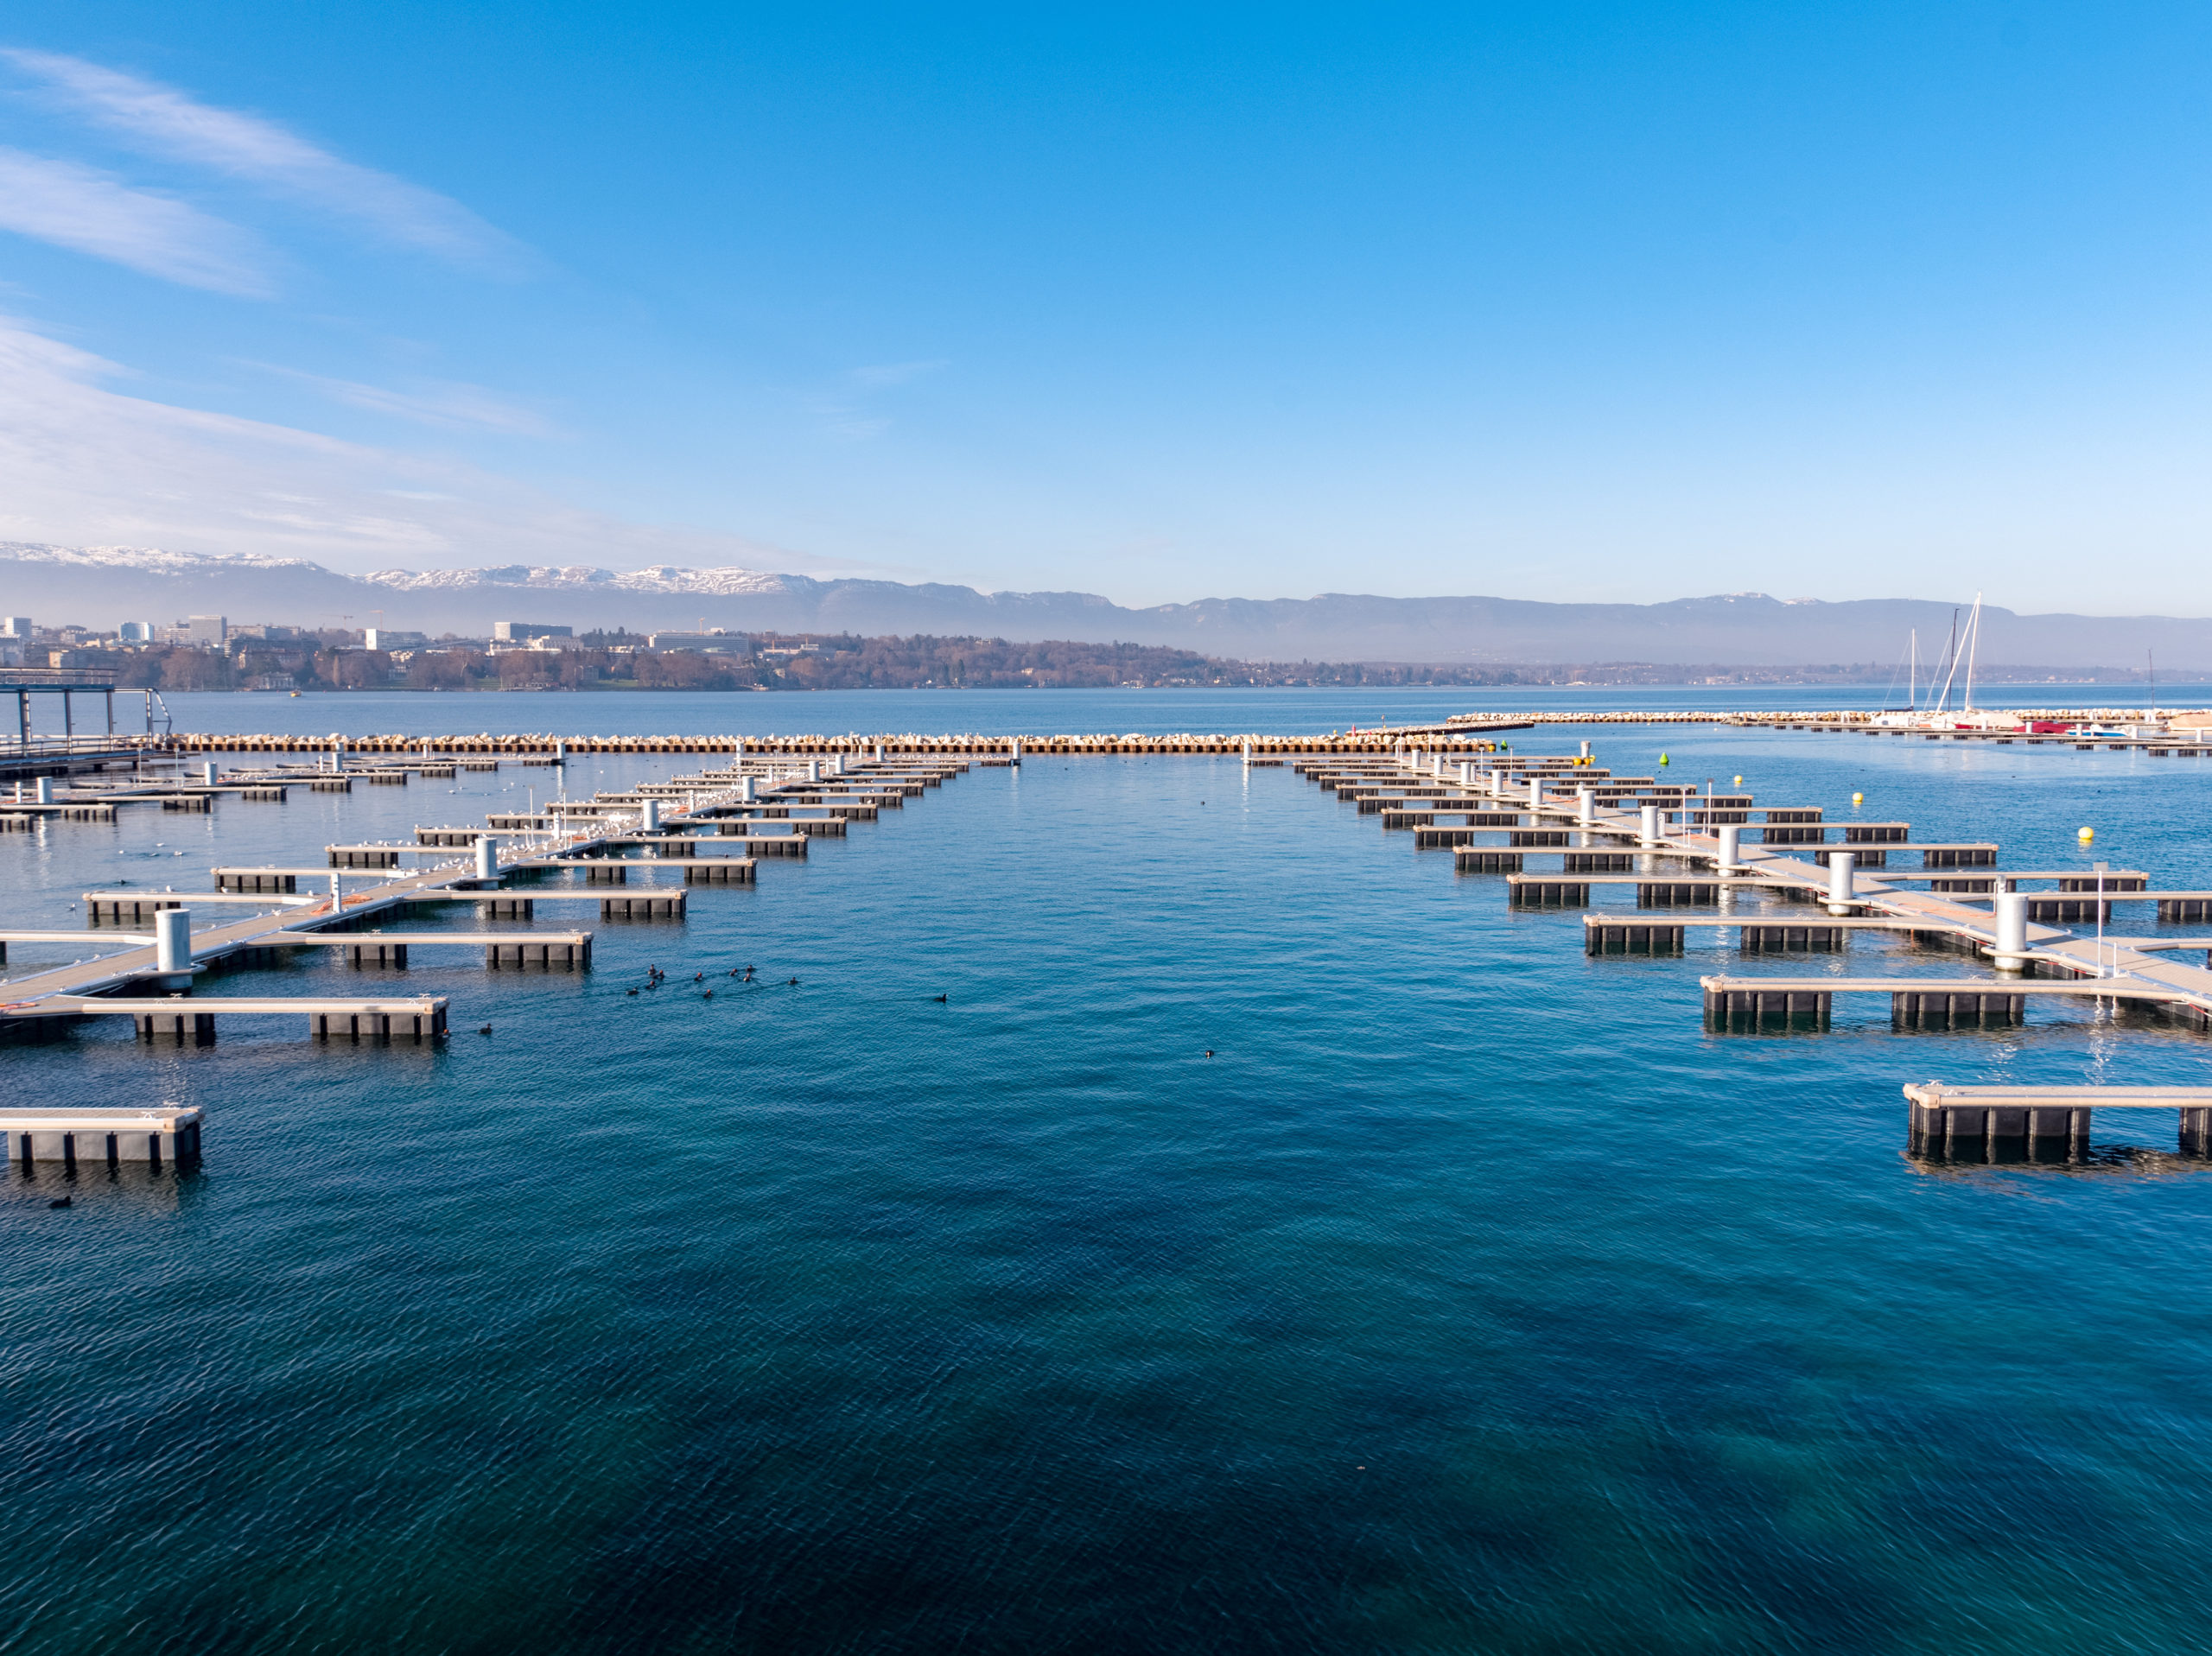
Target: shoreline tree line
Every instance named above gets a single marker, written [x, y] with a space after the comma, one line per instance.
[773, 662]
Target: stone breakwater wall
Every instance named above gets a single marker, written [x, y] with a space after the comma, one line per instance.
[405, 747]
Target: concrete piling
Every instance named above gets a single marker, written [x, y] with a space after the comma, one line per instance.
[2012, 909]
[1947, 1008]
[172, 940]
[1754, 939]
[1633, 937]
[178, 1029]
[1726, 1008]
[1841, 884]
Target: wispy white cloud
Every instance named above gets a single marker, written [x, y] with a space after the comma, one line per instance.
[172, 126]
[841, 419]
[846, 412]
[445, 404]
[74, 207]
[87, 465]
[892, 373]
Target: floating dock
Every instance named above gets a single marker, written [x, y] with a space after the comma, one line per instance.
[1972, 1123]
[1678, 850]
[607, 840]
[95, 1138]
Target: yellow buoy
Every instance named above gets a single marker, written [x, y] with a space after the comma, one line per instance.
[1662, 759]
[2085, 835]
[1859, 799]
[1739, 782]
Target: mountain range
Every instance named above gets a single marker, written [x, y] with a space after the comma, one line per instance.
[100, 586]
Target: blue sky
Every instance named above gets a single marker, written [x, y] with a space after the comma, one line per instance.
[1560, 302]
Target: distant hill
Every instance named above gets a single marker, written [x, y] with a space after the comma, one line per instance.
[99, 587]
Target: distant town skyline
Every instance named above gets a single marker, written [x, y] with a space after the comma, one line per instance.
[1606, 303]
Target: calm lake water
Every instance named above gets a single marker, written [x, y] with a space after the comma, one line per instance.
[1470, 1297]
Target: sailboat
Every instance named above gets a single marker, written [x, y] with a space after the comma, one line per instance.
[1961, 651]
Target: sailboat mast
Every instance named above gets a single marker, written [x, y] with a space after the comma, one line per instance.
[1951, 657]
[1912, 672]
[1973, 648]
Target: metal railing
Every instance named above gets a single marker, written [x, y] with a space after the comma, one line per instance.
[40, 747]
[92, 679]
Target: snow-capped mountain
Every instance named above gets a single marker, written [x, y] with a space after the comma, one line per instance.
[99, 586]
[657, 578]
[143, 558]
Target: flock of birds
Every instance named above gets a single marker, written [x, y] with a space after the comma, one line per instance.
[655, 977]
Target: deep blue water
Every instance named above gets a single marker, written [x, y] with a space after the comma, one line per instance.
[1471, 1297]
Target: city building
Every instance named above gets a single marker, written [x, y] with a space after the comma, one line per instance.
[138, 632]
[208, 631]
[524, 632]
[15, 627]
[717, 642]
